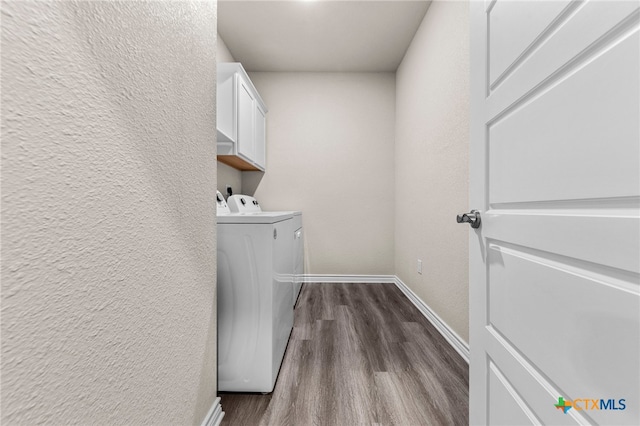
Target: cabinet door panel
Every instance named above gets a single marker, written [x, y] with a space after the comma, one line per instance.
[246, 107]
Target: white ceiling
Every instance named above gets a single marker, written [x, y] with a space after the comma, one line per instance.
[347, 36]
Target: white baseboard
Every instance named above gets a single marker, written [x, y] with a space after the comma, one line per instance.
[447, 332]
[349, 279]
[215, 414]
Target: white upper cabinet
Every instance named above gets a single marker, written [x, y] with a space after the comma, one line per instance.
[241, 120]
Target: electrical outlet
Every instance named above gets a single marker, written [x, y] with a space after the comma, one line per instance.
[420, 266]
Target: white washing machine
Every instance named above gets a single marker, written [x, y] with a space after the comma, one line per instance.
[255, 289]
[247, 205]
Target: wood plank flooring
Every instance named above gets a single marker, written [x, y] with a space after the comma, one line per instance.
[360, 354]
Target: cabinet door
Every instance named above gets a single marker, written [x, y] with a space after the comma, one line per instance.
[246, 107]
[260, 138]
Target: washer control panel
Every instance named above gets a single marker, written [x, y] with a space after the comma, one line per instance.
[243, 204]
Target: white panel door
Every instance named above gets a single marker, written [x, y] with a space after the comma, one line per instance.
[555, 174]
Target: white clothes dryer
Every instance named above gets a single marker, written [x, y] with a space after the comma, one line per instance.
[255, 289]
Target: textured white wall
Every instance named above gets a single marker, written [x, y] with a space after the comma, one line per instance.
[108, 215]
[227, 175]
[432, 143]
[330, 154]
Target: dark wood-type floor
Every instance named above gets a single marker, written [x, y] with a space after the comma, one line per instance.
[360, 354]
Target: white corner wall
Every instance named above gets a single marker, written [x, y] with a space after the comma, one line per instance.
[330, 154]
[431, 157]
[223, 54]
[108, 220]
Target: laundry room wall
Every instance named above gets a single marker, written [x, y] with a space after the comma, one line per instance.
[330, 154]
[227, 175]
[432, 143]
[108, 218]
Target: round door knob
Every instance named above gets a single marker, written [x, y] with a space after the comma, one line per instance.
[472, 218]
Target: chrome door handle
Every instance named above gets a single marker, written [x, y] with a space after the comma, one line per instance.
[472, 218]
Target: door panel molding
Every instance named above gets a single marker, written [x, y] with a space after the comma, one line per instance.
[545, 69]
